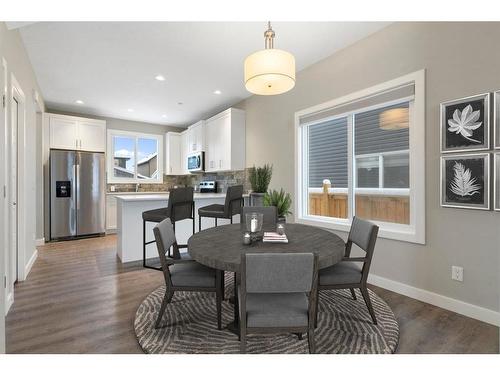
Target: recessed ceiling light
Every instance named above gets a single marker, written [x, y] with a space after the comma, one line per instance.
[159, 77]
[164, 116]
[79, 101]
[130, 110]
[217, 92]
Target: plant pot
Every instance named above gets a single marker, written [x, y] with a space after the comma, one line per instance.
[282, 219]
[257, 199]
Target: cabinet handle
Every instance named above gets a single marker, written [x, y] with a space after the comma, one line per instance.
[76, 143]
[220, 163]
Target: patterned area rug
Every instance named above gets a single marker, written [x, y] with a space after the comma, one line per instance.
[190, 326]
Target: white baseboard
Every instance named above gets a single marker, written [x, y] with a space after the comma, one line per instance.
[40, 241]
[9, 300]
[460, 307]
[30, 263]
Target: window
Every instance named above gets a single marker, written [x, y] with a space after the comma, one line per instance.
[363, 155]
[134, 157]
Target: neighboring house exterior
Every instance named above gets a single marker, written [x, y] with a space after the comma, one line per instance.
[148, 167]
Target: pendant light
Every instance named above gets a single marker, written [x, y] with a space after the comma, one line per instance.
[269, 71]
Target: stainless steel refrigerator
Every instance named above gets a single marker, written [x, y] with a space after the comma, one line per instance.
[77, 194]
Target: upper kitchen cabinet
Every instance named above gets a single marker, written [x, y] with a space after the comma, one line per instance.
[77, 133]
[185, 149]
[196, 137]
[173, 151]
[225, 141]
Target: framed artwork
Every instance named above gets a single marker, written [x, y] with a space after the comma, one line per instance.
[465, 124]
[465, 181]
[496, 119]
[496, 177]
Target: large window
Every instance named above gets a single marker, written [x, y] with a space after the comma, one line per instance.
[363, 156]
[134, 157]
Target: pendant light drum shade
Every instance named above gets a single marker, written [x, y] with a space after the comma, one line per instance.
[269, 72]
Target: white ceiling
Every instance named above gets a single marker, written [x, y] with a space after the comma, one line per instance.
[111, 65]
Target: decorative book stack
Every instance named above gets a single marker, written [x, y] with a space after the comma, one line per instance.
[274, 237]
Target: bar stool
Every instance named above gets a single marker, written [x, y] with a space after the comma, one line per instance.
[232, 206]
[180, 206]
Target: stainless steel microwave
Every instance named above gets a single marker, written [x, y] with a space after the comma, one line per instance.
[196, 162]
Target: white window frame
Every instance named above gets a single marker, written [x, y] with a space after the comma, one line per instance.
[111, 179]
[415, 231]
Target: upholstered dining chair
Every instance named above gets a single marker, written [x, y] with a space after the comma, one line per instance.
[270, 215]
[183, 274]
[232, 206]
[277, 294]
[346, 274]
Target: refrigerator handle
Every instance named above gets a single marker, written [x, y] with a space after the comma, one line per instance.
[77, 197]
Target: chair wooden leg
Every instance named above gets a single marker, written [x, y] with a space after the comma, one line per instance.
[166, 300]
[299, 335]
[317, 308]
[223, 285]
[310, 340]
[144, 243]
[353, 293]
[366, 297]
[215, 221]
[243, 343]
[231, 219]
[199, 223]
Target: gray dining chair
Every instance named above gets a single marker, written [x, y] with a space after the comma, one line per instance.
[277, 294]
[232, 206]
[347, 274]
[183, 274]
[270, 215]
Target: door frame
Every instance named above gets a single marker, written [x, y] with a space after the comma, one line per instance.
[3, 206]
[17, 93]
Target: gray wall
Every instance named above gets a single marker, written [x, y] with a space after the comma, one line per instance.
[460, 59]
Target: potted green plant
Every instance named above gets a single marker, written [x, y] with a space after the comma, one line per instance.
[259, 180]
[282, 201]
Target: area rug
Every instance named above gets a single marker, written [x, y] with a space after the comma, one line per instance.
[190, 326]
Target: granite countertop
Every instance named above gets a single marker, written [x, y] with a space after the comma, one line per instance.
[134, 197]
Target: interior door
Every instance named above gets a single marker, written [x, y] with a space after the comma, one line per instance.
[91, 193]
[13, 224]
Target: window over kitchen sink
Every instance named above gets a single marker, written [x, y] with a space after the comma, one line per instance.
[134, 157]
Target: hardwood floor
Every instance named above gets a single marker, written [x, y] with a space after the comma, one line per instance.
[79, 298]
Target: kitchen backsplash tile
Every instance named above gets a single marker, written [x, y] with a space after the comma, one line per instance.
[224, 179]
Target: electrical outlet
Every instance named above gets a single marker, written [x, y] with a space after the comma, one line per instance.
[457, 273]
[112, 188]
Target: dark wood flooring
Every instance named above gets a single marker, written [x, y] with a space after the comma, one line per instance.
[79, 298]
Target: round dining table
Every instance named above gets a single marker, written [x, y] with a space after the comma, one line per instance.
[221, 248]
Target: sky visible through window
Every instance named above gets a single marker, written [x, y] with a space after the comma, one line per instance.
[124, 148]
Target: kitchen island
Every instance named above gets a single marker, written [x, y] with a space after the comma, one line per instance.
[129, 222]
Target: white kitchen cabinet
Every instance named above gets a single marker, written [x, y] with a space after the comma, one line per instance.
[92, 135]
[63, 132]
[196, 137]
[110, 213]
[225, 141]
[173, 154]
[77, 133]
[184, 145]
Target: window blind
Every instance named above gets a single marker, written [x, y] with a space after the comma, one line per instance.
[368, 101]
[328, 153]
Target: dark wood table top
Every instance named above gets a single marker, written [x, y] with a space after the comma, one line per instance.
[221, 247]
